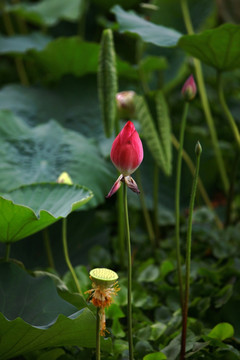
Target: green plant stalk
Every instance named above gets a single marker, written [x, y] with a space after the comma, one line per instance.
[98, 338]
[129, 261]
[7, 253]
[226, 110]
[177, 200]
[204, 100]
[145, 211]
[155, 199]
[66, 255]
[48, 248]
[201, 187]
[188, 258]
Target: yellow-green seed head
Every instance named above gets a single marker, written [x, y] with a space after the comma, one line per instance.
[103, 276]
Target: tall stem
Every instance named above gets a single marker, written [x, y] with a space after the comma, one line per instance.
[177, 200]
[98, 352]
[188, 254]
[129, 261]
[226, 110]
[155, 200]
[66, 255]
[205, 102]
[48, 248]
[145, 211]
[7, 253]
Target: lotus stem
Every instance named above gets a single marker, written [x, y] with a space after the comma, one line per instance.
[66, 255]
[129, 262]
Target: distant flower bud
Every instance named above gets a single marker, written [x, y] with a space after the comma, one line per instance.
[127, 150]
[198, 149]
[189, 89]
[64, 178]
[125, 104]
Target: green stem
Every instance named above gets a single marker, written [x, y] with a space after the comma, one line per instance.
[226, 110]
[201, 187]
[98, 338]
[230, 196]
[129, 260]
[145, 211]
[66, 255]
[177, 200]
[7, 253]
[188, 254]
[205, 102]
[48, 249]
[155, 199]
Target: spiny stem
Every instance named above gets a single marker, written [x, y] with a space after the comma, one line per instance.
[66, 255]
[129, 261]
[177, 200]
[48, 248]
[7, 253]
[188, 255]
[98, 352]
[205, 102]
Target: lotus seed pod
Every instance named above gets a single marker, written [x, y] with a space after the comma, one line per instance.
[103, 277]
[64, 178]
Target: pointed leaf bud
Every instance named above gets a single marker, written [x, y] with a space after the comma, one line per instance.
[115, 187]
[127, 150]
[189, 89]
[125, 104]
[198, 148]
[64, 178]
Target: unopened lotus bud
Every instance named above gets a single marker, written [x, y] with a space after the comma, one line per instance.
[127, 150]
[125, 104]
[189, 89]
[198, 149]
[64, 178]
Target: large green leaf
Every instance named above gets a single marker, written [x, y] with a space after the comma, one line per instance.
[217, 47]
[33, 316]
[222, 331]
[48, 12]
[31, 208]
[41, 153]
[149, 32]
[22, 43]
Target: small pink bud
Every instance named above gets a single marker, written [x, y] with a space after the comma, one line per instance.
[189, 89]
[125, 104]
[127, 150]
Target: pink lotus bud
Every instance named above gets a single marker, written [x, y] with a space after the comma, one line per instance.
[127, 150]
[125, 104]
[189, 89]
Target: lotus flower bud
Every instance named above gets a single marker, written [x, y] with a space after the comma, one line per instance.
[125, 104]
[64, 178]
[127, 150]
[189, 89]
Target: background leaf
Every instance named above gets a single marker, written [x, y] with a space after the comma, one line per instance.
[48, 12]
[222, 331]
[217, 47]
[31, 208]
[42, 153]
[149, 32]
[22, 43]
[46, 320]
